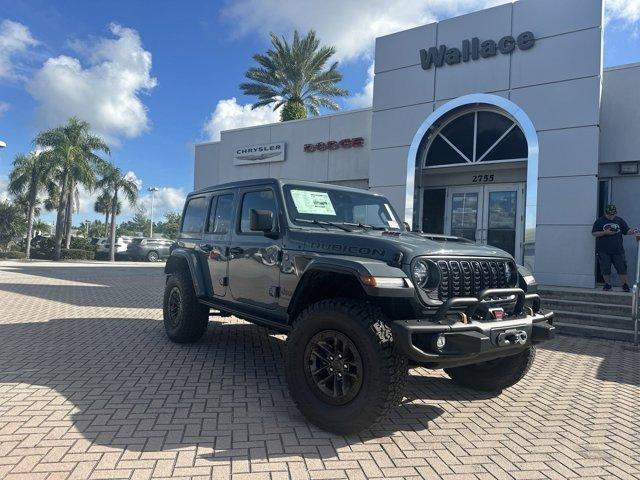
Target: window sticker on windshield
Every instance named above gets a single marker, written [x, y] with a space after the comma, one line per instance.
[315, 203]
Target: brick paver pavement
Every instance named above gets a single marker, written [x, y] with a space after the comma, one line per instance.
[91, 388]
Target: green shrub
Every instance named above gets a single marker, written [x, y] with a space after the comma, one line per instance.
[12, 255]
[42, 248]
[76, 254]
[81, 243]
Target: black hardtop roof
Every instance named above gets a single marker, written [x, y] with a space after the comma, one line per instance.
[274, 181]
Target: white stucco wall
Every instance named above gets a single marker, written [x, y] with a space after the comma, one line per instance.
[557, 84]
[214, 161]
[620, 142]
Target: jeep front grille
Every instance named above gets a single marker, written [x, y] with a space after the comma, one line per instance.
[467, 278]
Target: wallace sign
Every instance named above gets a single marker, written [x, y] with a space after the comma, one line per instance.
[474, 49]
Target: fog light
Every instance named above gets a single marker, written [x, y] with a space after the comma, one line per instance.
[440, 342]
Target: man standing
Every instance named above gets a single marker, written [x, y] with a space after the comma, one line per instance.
[608, 231]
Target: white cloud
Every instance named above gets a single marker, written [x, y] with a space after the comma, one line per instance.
[365, 97]
[4, 185]
[167, 199]
[229, 114]
[4, 106]
[15, 38]
[349, 25]
[106, 93]
[626, 11]
[352, 25]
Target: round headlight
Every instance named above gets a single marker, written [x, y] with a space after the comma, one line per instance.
[420, 273]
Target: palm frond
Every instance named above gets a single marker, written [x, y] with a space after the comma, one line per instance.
[295, 71]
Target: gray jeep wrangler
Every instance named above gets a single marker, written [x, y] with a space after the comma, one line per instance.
[358, 295]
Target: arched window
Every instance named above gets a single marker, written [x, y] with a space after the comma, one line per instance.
[477, 136]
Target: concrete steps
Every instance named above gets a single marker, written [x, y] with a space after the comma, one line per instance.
[589, 312]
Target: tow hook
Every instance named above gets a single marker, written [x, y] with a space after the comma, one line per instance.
[512, 337]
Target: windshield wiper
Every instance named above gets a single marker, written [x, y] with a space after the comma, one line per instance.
[323, 224]
[366, 226]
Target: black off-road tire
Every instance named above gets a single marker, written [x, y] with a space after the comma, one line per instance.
[495, 375]
[384, 368]
[189, 322]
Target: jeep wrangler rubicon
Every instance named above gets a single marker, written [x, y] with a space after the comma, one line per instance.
[358, 295]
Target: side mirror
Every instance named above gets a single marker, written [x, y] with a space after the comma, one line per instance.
[261, 221]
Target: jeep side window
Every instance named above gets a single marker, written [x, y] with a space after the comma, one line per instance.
[220, 216]
[194, 216]
[262, 200]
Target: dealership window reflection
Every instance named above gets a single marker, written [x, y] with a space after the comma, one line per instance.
[477, 136]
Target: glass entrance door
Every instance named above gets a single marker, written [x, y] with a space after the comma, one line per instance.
[488, 214]
[465, 213]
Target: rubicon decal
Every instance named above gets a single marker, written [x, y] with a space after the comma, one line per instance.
[354, 249]
[334, 144]
[474, 49]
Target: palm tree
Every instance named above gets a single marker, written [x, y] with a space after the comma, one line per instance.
[114, 182]
[27, 179]
[103, 205]
[295, 76]
[70, 150]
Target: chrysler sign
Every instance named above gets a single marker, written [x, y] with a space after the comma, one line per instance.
[474, 49]
[263, 153]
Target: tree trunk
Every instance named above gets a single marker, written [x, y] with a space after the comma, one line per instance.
[60, 219]
[112, 250]
[69, 217]
[106, 224]
[29, 229]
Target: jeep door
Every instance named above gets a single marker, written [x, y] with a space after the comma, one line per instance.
[194, 217]
[255, 257]
[216, 240]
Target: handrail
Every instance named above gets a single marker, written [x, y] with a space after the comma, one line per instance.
[635, 300]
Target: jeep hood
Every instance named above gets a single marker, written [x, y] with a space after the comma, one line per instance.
[386, 245]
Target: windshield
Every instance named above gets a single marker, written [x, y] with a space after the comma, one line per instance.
[326, 206]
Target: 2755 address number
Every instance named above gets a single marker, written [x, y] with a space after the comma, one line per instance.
[483, 178]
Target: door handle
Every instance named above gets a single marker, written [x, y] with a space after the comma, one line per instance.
[206, 248]
[236, 251]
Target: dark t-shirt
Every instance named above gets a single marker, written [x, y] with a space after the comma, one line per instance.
[611, 244]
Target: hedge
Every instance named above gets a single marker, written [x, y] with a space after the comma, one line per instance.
[76, 254]
[12, 255]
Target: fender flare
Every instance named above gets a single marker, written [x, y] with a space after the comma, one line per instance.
[176, 261]
[356, 268]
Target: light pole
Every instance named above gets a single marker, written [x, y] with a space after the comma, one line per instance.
[153, 191]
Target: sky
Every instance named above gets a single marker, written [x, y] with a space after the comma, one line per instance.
[155, 78]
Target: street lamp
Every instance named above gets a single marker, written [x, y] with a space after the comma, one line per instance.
[2, 144]
[153, 191]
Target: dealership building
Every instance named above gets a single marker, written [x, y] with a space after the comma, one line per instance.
[501, 126]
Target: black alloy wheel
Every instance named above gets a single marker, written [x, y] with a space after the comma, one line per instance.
[174, 306]
[333, 367]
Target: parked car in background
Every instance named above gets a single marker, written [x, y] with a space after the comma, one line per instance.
[101, 245]
[120, 245]
[150, 249]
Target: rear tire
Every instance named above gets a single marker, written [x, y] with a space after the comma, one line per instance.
[185, 319]
[374, 375]
[495, 375]
[153, 256]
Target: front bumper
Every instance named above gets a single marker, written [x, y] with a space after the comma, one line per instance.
[470, 335]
